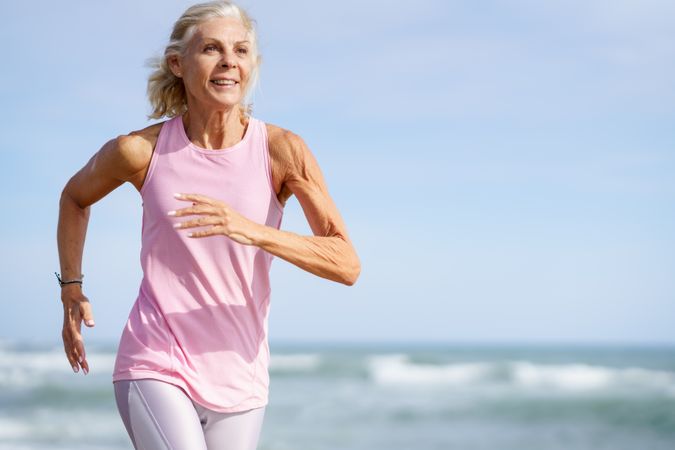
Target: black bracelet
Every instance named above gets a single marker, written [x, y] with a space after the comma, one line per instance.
[63, 283]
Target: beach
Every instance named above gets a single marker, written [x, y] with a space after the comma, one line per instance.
[384, 396]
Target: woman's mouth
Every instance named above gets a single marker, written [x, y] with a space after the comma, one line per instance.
[224, 82]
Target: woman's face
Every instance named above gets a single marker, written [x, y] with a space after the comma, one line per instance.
[217, 64]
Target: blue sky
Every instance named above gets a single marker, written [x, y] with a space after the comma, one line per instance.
[505, 168]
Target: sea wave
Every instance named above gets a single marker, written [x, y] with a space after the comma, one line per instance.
[295, 362]
[25, 369]
[28, 369]
[397, 369]
[400, 370]
[584, 377]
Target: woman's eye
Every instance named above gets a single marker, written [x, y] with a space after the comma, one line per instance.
[243, 51]
[210, 47]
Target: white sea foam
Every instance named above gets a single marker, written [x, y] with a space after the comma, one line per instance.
[568, 377]
[294, 362]
[399, 370]
[583, 377]
[25, 369]
[13, 429]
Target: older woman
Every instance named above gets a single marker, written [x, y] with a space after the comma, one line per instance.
[192, 365]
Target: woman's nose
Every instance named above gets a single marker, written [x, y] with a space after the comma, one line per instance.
[228, 60]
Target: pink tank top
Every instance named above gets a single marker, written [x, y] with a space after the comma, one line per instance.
[200, 318]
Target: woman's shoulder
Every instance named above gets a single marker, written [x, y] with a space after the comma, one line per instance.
[136, 147]
[284, 144]
[280, 136]
[140, 140]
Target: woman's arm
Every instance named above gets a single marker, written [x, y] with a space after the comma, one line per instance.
[329, 253]
[116, 162]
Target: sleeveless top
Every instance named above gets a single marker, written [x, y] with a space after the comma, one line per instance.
[200, 320]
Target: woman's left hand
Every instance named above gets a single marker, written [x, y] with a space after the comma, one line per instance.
[225, 220]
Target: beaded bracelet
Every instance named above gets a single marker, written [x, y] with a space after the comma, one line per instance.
[74, 281]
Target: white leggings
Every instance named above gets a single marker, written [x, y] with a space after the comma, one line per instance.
[160, 416]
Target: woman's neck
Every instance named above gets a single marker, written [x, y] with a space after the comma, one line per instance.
[215, 129]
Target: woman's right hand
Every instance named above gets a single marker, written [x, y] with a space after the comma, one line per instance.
[76, 307]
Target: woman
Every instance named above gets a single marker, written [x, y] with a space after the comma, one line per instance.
[191, 368]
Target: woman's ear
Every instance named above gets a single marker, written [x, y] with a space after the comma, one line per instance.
[174, 64]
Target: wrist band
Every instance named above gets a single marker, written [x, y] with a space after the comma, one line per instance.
[74, 281]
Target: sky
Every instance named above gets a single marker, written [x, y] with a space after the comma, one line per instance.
[506, 169]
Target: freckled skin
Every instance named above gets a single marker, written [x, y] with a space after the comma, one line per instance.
[212, 121]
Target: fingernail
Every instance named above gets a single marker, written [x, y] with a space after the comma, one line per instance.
[90, 323]
[177, 225]
[177, 195]
[75, 369]
[171, 213]
[84, 369]
[80, 359]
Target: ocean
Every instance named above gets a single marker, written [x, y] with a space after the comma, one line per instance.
[389, 396]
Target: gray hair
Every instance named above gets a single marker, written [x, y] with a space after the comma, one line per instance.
[166, 91]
